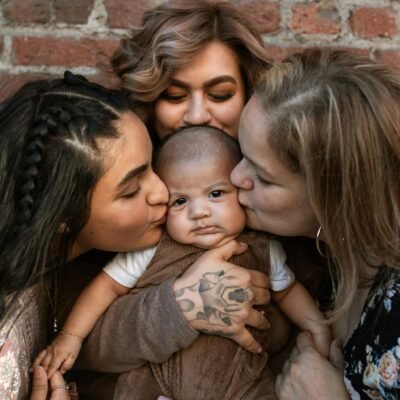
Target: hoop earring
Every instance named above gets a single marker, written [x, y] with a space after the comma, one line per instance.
[317, 242]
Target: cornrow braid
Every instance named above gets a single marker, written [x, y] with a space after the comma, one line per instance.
[45, 125]
[51, 159]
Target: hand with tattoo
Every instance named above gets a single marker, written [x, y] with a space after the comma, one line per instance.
[216, 297]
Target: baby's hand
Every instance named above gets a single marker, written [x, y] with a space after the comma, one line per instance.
[60, 354]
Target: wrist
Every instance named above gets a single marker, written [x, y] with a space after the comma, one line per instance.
[71, 334]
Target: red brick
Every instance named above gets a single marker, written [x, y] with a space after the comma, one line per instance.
[314, 18]
[265, 15]
[278, 54]
[390, 57]
[73, 12]
[123, 13]
[67, 52]
[373, 22]
[27, 11]
[10, 83]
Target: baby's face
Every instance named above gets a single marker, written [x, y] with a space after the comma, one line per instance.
[203, 207]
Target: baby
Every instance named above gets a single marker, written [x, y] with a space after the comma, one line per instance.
[203, 213]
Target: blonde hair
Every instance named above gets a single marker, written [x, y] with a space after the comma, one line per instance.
[170, 37]
[335, 119]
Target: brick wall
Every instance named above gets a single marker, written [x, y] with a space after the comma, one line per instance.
[43, 37]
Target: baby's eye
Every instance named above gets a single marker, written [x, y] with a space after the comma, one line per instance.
[179, 202]
[215, 194]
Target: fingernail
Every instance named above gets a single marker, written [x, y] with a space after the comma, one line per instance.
[259, 350]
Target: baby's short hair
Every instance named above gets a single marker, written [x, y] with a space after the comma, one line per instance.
[197, 143]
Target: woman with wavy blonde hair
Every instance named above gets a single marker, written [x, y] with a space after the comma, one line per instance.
[322, 137]
[172, 38]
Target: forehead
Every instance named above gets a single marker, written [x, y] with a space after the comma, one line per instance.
[195, 174]
[215, 58]
[132, 147]
[253, 126]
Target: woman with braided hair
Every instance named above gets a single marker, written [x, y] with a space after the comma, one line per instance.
[75, 175]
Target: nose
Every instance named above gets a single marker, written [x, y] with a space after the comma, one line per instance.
[199, 208]
[197, 112]
[241, 176]
[158, 193]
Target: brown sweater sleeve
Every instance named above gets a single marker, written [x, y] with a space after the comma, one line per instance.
[137, 328]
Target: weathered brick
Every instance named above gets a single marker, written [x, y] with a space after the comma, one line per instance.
[67, 52]
[265, 15]
[123, 14]
[278, 54]
[370, 22]
[73, 12]
[314, 18]
[10, 83]
[390, 57]
[27, 11]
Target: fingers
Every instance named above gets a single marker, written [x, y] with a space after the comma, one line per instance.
[261, 296]
[41, 387]
[58, 387]
[257, 319]
[336, 355]
[246, 340]
[38, 359]
[258, 279]
[228, 250]
[304, 340]
[39, 384]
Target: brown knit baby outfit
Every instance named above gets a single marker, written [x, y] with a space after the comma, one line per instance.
[213, 367]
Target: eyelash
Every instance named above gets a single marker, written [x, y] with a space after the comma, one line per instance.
[172, 98]
[219, 98]
[131, 194]
[263, 181]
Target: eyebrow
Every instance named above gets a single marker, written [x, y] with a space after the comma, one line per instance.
[211, 82]
[132, 174]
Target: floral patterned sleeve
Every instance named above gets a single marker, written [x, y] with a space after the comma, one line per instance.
[22, 336]
[372, 354]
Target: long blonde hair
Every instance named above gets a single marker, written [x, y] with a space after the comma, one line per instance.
[336, 121]
[170, 37]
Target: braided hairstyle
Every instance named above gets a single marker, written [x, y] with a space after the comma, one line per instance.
[50, 162]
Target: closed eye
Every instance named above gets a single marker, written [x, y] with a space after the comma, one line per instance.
[263, 181]
[220, 97]
[130, 195]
